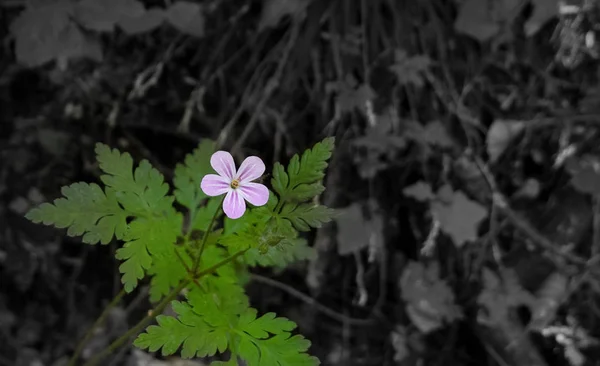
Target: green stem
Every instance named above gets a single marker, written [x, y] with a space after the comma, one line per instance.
[216, 266]
[205, 238]
[139, 326]
[96, 324]
[158, 310]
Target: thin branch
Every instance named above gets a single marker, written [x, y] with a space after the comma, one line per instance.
[312, 302]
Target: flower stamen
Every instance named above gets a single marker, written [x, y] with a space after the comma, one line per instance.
[235, 183]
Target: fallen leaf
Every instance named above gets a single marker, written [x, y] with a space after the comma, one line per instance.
[46, 33]
[552, 294]
[530, 190]
[350, 95]
[445, 194]
[436, 134]
[352, 233]
[575, 357]
[585, 173]
[500, 294]
[499, 135]
[429, 300]
[53, 141]
[274, 10]
[150, 20]
[474, 19]
[399, 343]
[421, 191]
[102, 15]
[543, 11]
[460, 218]
[187, 17]
[410, 70]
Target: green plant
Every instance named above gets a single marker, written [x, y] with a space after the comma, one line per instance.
[207, 260]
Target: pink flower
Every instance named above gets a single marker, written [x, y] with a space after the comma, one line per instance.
[237, 184]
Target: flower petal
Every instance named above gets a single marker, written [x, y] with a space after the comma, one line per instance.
[252, 167]
[255, 193]
[215, 185]
[222, 162]
[234, 205]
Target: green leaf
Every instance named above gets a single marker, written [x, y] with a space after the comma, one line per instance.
[146, 238]
[267, 341]
[280, 179]
[307, 215]
[189, 175]
[203, 325]
[188, 331]
[212, 322]
[301, 181]
[304, 192]
[313, 163]
[261, 327]
[167, 272]
[291, 250]
[142, 192]
[85, 210]
[205, 214]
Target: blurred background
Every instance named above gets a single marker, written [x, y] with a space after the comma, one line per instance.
[466, 169]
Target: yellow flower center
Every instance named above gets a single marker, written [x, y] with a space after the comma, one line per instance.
[235, 183]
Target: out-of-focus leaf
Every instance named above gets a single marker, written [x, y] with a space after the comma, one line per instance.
[382, 137]
[102, 15]
[399, 341]
[436, 134]
[529, 190]
[474, 19]
[45, 33]
[499, 295]
[350, 95]
[550, 296]
[575, 357]
[421, 191]
[585, 174]
[410, 70]
[274, 10]
[429, 301]
[352, 234]
[460, 218]
[187, 17]
[53, 141]
[148, 21]
[543, 10]
[499, 135]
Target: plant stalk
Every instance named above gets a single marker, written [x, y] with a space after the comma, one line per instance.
[158, 310]
[205, 238]
[90, 332]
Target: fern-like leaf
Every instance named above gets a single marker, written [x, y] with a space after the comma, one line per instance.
[85, 210]
[189, 175]
[267, 341]
[142, 191]
[292, 250]
[146, 237]
[188, 331]
[203, 328]
[301, 181]
[167, 272]
[307, 215]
